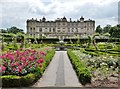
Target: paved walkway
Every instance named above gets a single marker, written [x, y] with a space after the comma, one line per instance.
[59, 73]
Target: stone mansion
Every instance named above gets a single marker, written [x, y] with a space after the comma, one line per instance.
[60, 28]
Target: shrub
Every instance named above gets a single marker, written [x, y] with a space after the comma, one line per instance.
[10, 81]
[17, 81]
[84, 75]
[82, 72]
[27, 79]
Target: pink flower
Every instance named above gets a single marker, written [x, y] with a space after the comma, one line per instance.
[20, 68]
[30, 58]
[14, 69]
[15, 64]
[40, 61]
[23, 59]
[3, 68]
[43, 53]
[40, 65]
[2, 57]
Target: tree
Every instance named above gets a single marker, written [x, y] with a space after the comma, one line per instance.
[3, 31]
[98, 29]
[115, 31]
[14, 30]
[106, 29]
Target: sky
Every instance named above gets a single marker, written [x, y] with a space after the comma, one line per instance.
[16, 12]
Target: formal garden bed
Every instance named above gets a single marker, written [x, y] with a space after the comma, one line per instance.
[24, 67]
[102, 65]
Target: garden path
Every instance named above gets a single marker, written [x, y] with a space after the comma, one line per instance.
[59, 73]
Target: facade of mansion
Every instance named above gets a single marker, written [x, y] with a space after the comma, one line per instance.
[60, 28]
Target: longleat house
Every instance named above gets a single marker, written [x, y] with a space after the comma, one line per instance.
[60, 28]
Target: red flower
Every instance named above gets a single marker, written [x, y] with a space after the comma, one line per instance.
[15, 64]
[40, 61]
[21, 49]
[23, 59]
[40, 65]
[43, 53]
[20, 68]
[30, 58]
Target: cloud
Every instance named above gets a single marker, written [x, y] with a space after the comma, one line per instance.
[16, 12]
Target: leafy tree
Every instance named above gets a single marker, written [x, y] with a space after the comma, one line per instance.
[98, 29]
[14, 30]
[3, 31]
[115, 31]
[106, 28]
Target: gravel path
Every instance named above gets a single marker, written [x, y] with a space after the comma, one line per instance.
[59, 73]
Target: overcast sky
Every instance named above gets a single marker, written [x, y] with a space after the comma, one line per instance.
[16, 12]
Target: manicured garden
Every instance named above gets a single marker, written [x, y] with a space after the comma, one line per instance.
[100, 67]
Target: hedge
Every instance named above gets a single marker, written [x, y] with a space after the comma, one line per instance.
[31, 78]
[80, 68]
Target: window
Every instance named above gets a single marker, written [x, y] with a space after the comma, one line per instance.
[53, 29]
[40, 30]
[63, 23]
[49, 29]
[68, 30]
[76, 30]
[58, 30]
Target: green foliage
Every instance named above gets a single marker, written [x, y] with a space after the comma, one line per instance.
[82, 72]
[98, 29]
[84, 76]
[14, 30]
[27, 79]
[115, 31]
[100, 66]
[48, 58]
[106, 29]
[17, 81]
[10, 81]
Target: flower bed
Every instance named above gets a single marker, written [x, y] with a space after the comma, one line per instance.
[23, 67]
[104, 69]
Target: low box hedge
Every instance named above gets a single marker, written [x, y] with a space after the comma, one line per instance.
[17, 81]
[83, 73]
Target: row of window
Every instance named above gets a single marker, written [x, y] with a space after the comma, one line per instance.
[70, 24]
[58, 30]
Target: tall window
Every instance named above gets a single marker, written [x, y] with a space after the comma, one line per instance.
[53, 29]
[40, 30]
[49, 29]
[33, 29]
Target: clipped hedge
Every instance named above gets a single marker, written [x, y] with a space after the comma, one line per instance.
[17, 81]
[81, 70]
[27, 80]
